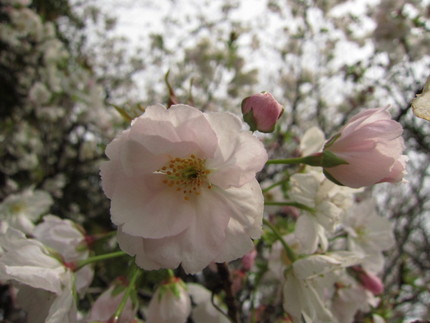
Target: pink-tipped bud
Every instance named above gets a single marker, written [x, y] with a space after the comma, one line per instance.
[261, 111]
[370, 281]
[248, 260]
[371, 146]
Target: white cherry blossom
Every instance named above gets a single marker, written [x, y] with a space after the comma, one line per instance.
[309, 285]
[45, 284]
[329, 201]
[369, 234]
[22, 210]
[68, 240]
[183, 189]
[170, 303]
[107, 303]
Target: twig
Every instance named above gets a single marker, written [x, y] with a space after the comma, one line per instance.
[233, 310]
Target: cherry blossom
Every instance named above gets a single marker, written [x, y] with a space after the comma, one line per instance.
[369, 234]
[170, 303]
[22, 210]
[68, 240]
[45, 284]
[329, 201]
[107, 303]
[309, 285]
[371, 144]
[183, 189]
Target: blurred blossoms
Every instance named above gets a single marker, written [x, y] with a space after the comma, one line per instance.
[329, 202]
[183, 189]
[20, 211]
[205, 310]
[45, 284]
[368, 234]
[310, 281]
[43, 269]
[372, 145]
[69, 241]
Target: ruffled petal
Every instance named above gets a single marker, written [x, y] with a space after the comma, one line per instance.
[160, 130]
[197, 246]
[237, 242]
[148, 208]
[246, 205]
[240, 154]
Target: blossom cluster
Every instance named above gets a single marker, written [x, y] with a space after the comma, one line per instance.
[200, 217]
[53, 113]
[183, 192]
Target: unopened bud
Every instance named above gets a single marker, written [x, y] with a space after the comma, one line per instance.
[248, 260]
[261, 111]
[370, 281]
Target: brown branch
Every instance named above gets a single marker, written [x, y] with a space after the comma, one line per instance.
[230, 300]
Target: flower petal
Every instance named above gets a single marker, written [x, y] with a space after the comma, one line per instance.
[145, 207]
[240, 154]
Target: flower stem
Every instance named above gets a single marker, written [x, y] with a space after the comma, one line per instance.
[295, 204]
[91, 260]
[170, 273]
[134, 276]
[287, 161]
[312, 160]
[264, 190]
[290, 253]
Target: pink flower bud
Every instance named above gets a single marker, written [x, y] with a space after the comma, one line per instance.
[248, 260]
[370, 282]
[372, 145]
[261, 111]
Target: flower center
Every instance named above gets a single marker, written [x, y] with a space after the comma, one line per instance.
[17, 207]
[186, 175]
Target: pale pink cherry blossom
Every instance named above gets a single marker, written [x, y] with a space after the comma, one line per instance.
[349, 298]
[170, 303]
[183, 189]
[261, 111]
[309, 285]
[68, 240]
[329, 201]
[372, 145]
[45, 285]
[22, 210]
[346, 302]
[64, 236]
[107, 303]
[368, 234]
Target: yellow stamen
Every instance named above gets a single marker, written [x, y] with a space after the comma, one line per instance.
[186, 175]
